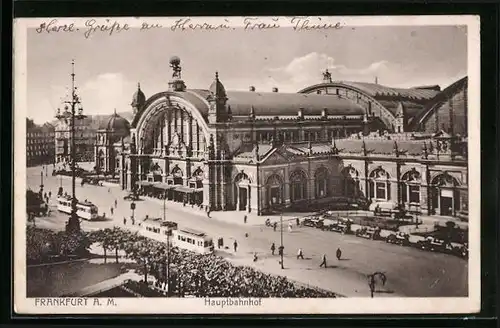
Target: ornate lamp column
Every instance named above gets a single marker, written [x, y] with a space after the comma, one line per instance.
[73, 110]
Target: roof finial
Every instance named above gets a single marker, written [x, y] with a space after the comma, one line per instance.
[216, 75]
[138, 86]
[115, 111]
[376, 79]
[327, 76]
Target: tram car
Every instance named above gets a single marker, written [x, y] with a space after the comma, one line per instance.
[85, 210]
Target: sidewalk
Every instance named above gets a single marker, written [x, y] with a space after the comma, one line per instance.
[106, 284]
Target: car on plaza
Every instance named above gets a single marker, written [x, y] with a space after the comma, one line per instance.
[131, 196]
[399, 238]
[432, 244]
[313, 221]
[368, 233]
[339, 224]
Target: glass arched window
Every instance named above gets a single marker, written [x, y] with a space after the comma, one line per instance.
[410, 187]
[298, 186]
[274, 185]
[321, 179]
[380, 186]
[350, 180]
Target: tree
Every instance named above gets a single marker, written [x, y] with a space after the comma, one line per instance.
[120, 237]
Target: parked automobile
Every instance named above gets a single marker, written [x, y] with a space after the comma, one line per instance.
[368, 233]
[314, 221]
[458, 249]
[329, 224]
[399, 238]
[342, 225]
[131, 196]
[432, 244]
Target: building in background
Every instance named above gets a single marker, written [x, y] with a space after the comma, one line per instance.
[260, 151]
[39, 143]
[112, 137]
[85, 134]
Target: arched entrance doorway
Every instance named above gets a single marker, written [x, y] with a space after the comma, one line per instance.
[445, 198]
[321, 183]
[410, 189]
[274, 194]
[350, 182]
[242, 192]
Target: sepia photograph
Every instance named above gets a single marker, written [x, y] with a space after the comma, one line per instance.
[247, 165]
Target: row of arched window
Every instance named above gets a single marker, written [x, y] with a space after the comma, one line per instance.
[379, 185]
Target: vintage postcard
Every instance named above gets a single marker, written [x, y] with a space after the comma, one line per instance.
[209, 165]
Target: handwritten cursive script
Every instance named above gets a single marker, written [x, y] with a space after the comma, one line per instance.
[54, 26]
[186, 24]
[305, 24]
[109, 27]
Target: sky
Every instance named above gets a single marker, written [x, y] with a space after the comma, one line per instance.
[108, 68]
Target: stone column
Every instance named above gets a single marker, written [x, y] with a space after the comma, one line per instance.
[249, 199]
[223, 186]
[237, 197]
[190, 135]
[254, 205]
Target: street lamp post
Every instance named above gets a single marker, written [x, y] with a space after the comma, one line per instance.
[168, 242]
[281, 239]
[41, 182]
[72, 110]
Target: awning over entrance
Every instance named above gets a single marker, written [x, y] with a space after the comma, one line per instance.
[163, 186]
[184, 189]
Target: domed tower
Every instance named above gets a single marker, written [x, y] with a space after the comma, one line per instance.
[117, 127]
[138, 100]
[176, 83]
[217, 100]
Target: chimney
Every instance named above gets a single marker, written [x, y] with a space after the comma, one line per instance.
[252, 88]
[275, 89]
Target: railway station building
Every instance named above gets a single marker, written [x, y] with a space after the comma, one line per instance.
[259, 151]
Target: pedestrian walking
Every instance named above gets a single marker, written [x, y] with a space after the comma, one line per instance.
[255, 257]
[323, 263]
[245, 219]
[300, 254]
[109, 190]
[104, 215]
[50, 194]
[297, 220]
[111, 210]
[116, 203]
[281, 250]
[133, 220]
[275, 225]
[208, 212]
[273, 248]
[289, 226]
[339, 254]
[124, 221]
[235, 244]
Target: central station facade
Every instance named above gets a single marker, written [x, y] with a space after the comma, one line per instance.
[256, 152]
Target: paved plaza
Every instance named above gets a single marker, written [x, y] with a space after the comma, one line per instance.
[410, 272]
